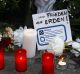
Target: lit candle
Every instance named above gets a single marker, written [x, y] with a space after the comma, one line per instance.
[47, 63]
[20, 60]
[1, 58]
[29, 42]
[62, 62]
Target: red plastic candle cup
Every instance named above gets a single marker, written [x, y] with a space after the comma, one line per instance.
[20, 60]
[1, 58]
[47, 63]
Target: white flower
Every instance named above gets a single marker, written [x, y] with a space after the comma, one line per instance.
[0, 37]
[76, 45]
[8, 32]
[18, 36]
[25, 27]
[56, 46]
[78, 40]
[75, 53]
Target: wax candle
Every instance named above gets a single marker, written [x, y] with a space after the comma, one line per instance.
[29, 42]
[20, 60]
[47, 63]
[62, 62]
[1, 58]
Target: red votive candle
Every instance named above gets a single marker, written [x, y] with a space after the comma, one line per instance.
[20, 60]
[1, 58]
[47, 63]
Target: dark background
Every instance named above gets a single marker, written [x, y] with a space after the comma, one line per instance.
[19, 12]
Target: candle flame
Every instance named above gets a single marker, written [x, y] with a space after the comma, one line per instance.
[61, 59]
[20, 58]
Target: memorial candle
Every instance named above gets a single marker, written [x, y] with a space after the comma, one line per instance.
[20, 60]
[1, 58]
[29, 42]
[62, 62]
[47, 63]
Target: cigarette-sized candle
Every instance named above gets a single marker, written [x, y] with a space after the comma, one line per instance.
[20, 60]
[47, 63]
[29, 42]
[1, 58]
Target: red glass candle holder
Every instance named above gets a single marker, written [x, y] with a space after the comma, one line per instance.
[1, 58]
[47, 63]
[20, 60]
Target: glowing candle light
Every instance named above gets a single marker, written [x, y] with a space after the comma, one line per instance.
[20, 60]
[62, 62]
[1, 58]
[47, 63]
